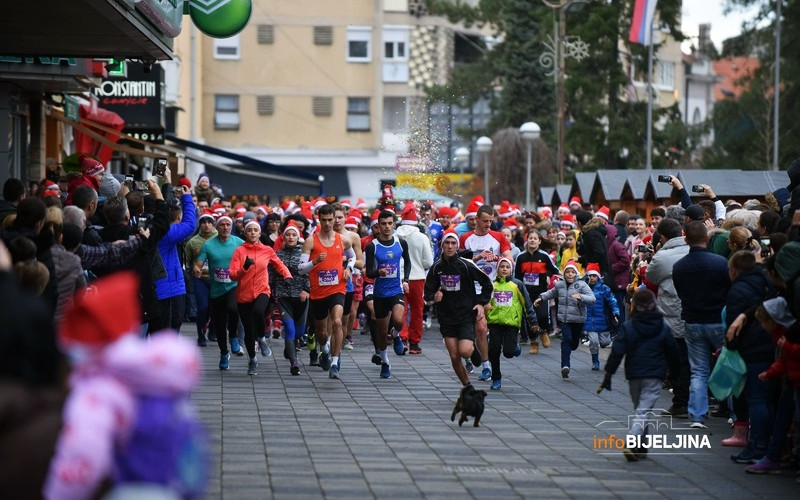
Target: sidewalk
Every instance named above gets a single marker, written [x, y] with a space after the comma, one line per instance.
[284, 437]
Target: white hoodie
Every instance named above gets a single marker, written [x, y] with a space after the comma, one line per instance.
[419, 249]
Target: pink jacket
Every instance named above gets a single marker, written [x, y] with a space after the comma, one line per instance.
[100, 410]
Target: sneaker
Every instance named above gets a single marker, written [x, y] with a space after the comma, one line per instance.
[252, 367]
[585, 340]
[496, 385]
[294, 369]
[630, 454]
[398, 345]
[764, 466]
[746, 457]
[236, 348]
[385, 371]
[376, 359]
[486, 374]
[469, 366]
[223, 361]
[405, 346]
[333, 372]
[517, 351]
[313, 358]
[698, 425]
[565, 372]
[414, 349]
[325, 361]
[596, 366]
[311, 343]
[674, 412]
[201, 341]
[428, 323]
[348, 346]
[263, 344]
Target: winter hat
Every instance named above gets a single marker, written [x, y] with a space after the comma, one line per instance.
[572, 265]
[223, 218]
[361, 204]
[778, 310]
[240, 211]
[604, 212]
[184, 181]
[511, 223]
[249, 216]
[472, 209]
[90, 166]
[563, 209]
[319, 203]
[568, 219]
[575, 201]
[288, 207]
[510, 262]
[644, 301]
[593, 268]
[263, 209]
[207, 214]
[695, 212]
[374, 219]
[201, 176]
[252, 222]
[409, 215]
[292, 226]
[546, 213]
[505, 209]
[450, 234]
[346, 203]
[219, 209]
[583, 217]
[50, 185]
[103, 313]
[351, 222]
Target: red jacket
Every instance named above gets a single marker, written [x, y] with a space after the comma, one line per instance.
[788, 363]
[255, 280]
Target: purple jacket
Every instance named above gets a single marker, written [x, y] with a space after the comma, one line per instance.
[619, 258]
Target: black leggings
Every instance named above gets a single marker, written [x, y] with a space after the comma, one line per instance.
[254, 320]
[505, 338]
[224, 313]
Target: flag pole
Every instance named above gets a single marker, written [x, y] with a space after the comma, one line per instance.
[649, 148]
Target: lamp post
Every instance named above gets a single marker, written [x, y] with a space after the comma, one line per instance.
[462, 157]
[484, 145]
[530, 132]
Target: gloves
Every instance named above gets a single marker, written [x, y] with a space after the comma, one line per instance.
[606, 384]
[247, 263]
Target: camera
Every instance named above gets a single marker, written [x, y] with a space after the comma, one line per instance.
[665, 178]
[698, 189]
[642, 248]
[141, 186]
[161, 165]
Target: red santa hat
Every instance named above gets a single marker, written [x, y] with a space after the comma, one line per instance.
[319, 203]
[252, 222]
[288, 206]
[207, 214]
[90, 166]
[568, 219]
[563, 209]
[575, 201]
[103, 313]
[219, 209]
[374, 219]
[351, 222]
[361, 204]
[223, 218]
[240, 211]
[355, 212]
[409, 215]
[346, 203]
[604, 212]
[511, 223]
[450, 234]
[306, 210]
[292, 226]
[515, 210]
[572, 265]
[263, 209]
[474, 205]
[546, 212]
[48, 184]
[593, 268]
[505, 209]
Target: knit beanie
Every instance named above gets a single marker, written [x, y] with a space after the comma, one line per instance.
[644, 301]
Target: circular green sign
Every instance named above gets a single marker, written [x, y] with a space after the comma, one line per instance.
[220, 18]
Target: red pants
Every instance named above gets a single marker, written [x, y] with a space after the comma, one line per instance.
[412, 329]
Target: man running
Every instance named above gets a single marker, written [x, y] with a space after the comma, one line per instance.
[388, 263]
[322, 259]
[339, 217]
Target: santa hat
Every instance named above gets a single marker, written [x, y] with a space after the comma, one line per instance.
[252, 222]
[90, 166]
[572, 265]
[445, 212]
[103, 313]
[288, 206]
[219, 209]
[184, 181]
[351, 222]
[263, 209]
[515, 210]
[563, 209]
[593, 268]
[48, 184]
[505, 209]
[374, 219]
[207, 214]
[568, 219]
[510, 262]
[604, 212]
[361, 203]
[223, 218]
[575, 201]
[319, 203]
[511, 223]
[389, 207]
[240, 211]
[450, 234]
[546, 213]
[354, 212]
[306, 210]
[409, 215]
[472, 208]
[346, 203]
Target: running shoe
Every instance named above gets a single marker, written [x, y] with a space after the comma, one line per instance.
[565, 372]
[517, 351]
[397, 344]
[236, 348]
[469, 366]
[263, 344]
[496, 385]
[333, 372]
[252, 367]
[223, 361]
[415, 349]
[698, 425]
[764, 466]
[294, 368]
[348, 346]
[385, 371]
[486, 374]
[325, 361]
[276, 329]
[311, 343]
[313, 358]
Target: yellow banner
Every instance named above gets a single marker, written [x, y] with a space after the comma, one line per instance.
[441, 183]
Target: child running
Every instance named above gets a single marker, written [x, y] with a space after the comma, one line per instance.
[597, 326]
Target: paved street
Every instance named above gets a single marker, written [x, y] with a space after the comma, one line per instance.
[284, 437]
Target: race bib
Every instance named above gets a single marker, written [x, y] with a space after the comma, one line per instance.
[531, 279]
[328, 277]
[368, 289]
[450, 282]
[222, 275]
[391, 270]
[503, 299]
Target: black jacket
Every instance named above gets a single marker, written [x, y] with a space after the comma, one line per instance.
[648, 347]
[457, 277]
[748, 290]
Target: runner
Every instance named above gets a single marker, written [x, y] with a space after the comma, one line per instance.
[389, 265]
[339, 218]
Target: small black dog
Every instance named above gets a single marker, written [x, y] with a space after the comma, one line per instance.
[470, 404]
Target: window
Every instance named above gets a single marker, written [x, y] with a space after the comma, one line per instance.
[266, 33]
[394, 115]
[265, 104]
[322, 106]
[226, 112]
[358, 44]
[227, 48]
[395, 53]
[323, 35]
[666, 74]
[358, 114]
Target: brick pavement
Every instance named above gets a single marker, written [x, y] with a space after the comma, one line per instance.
[284, 437]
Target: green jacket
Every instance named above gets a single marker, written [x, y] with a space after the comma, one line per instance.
[510, 303]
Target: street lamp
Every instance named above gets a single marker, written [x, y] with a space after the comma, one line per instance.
[462, 157]
[484, 145]
[530, 132]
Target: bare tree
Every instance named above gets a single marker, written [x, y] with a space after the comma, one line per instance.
[508, 166]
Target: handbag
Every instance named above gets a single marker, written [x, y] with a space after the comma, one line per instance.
[729, 375]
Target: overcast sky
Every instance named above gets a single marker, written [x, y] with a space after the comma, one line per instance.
[696, 12]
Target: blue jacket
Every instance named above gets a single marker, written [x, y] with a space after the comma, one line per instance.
[174, 283]
[596, 313]
[647, 345]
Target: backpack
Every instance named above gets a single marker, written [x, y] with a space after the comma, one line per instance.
[167, 446]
